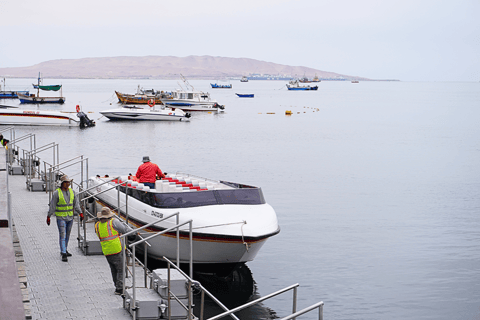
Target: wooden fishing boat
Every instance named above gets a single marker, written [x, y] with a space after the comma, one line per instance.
[315, 79]
[36, 98]
[125, 98]
[142, 96]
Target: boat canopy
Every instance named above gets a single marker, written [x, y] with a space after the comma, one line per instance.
[55, 87]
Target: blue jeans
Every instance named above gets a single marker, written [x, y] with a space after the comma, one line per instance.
[64, 229]
[149, 184]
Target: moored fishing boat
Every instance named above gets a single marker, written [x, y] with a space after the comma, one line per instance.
[36, 98]
[315, 79]
[9, 94]
[146, 113]
[245, 95]
[231, 221]
[304, 80]
[141, 97]
[190, 99]
[295, 85]
[221, 86]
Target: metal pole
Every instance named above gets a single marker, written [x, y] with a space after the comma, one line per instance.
[294, 309]
[202, 304]
[169, 299]
[178, 241]
[133, 289]
[191, 249]
[144, 263]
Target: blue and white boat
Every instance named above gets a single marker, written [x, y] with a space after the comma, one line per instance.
[7, 94]
[245, 95]
[190, 99]
[32, 98]
[295, 85]
[221, 86]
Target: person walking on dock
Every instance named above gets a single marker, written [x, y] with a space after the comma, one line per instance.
[108, 231]
[63, 204]
[148, 172]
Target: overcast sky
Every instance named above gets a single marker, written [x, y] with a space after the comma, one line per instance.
[409, 40]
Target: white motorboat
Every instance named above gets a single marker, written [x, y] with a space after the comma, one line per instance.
[231, 221]
[295, 85]
[147, 113]
[9, 115]
[190, 99]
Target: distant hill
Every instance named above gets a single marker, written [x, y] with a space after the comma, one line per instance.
[158, 67]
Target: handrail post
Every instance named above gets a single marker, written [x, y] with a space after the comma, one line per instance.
[294, 309]
[202, 304]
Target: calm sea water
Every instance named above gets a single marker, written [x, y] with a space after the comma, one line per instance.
[376, 184]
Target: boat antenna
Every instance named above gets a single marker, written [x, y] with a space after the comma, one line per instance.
[187, 84]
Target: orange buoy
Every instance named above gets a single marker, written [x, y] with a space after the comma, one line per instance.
[151, 103]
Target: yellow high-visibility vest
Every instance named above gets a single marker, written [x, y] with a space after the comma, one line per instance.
[63, 208]
[109, 237]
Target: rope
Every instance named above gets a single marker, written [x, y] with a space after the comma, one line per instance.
[243, 240]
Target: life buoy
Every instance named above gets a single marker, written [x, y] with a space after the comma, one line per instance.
[77, 108]
[151, 103]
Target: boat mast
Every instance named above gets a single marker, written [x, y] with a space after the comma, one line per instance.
[38, 85]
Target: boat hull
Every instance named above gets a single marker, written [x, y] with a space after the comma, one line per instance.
[145, 114]
[136, 99]
[302, 88]
[38, 118]
[251, 95]
[11, 94]
[186, 105]
[38, 99]
[222, 234]
[221, 86]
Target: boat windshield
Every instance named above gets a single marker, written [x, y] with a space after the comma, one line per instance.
[242, 196]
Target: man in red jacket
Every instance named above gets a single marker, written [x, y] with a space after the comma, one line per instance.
[148, 172]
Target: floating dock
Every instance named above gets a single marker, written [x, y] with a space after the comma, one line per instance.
[81, 288]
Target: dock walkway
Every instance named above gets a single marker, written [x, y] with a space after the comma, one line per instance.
[81, 288]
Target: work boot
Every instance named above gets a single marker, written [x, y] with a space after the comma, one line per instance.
[64, 257]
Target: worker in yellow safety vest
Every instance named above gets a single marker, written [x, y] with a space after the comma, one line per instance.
[63, 204]
[108, 230]
[3, 141]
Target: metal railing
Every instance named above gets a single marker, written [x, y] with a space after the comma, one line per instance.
[132, 304]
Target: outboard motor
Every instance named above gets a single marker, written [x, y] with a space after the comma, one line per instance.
[85, 122]
[216, 105]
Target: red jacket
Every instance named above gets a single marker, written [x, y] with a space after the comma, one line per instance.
[148, 172]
